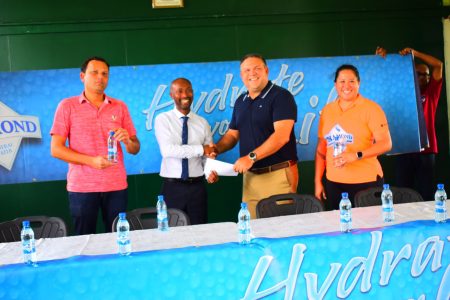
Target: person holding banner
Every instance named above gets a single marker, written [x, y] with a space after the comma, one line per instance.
[416, 170]
[184, 138]
[263, 123]
[85, 121]
[352, 132]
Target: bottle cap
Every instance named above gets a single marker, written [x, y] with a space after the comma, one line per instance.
[440, 186]
[111, 133]
[386, 186]
[160, 197]
[243, 205]
[344, 195]
[122, 215]
[26, 223]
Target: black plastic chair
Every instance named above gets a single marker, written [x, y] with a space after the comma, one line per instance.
[146, 218]
[372, 196]
[43, 227]
[287, 204]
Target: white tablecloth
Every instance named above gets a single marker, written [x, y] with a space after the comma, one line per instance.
[214, 233]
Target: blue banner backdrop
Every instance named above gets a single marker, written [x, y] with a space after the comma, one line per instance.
[405, 261]
[28, 101]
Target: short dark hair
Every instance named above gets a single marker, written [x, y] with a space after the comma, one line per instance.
[254, 55]
[346, 67]
[86, 62]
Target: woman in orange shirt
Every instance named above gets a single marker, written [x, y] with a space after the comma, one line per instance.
[358, 126]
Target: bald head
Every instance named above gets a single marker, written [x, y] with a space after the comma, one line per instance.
[182, 94]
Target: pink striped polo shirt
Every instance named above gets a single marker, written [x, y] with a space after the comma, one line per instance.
[86, 128]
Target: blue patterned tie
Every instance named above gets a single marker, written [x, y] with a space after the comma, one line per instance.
[184, 161]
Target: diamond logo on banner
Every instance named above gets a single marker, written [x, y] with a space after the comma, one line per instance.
[14, 127]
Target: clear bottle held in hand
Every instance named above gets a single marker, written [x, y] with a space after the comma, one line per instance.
[112, 147]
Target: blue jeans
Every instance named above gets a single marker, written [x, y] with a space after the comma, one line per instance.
[84, 209]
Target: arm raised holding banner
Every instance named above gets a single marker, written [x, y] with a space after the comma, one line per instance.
[416, 170]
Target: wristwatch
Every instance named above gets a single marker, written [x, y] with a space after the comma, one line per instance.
[359, 154]
[252, 156]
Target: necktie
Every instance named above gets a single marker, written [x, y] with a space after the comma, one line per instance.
[184, 139]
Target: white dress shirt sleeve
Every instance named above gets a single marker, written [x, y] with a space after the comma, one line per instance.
[169, 139]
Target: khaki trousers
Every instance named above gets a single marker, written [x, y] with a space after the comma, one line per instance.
[259, 186]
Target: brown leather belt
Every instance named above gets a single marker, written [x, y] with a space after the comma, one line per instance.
[274, 167]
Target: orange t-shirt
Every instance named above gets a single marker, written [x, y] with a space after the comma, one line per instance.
[355, 128]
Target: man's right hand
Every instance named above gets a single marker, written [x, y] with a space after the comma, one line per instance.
[210, 150]
[101, 162]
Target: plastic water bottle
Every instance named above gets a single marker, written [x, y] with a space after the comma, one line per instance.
[161, 209]
[244, 225]
[112, 147]
[387, 203]
[338, 148]
[440, 215]
[28, 244]
[345, 208]
[123, 235]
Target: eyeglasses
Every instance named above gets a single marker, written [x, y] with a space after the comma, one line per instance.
[425, 74]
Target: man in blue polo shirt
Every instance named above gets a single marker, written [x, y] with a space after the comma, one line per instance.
[263, 121]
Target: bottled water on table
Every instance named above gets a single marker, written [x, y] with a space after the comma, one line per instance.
[161, 209]
[244, 224]
[28, 243]
[112, 147]
[440, 197]
[387, 203]
[345, 209]
[123, 235]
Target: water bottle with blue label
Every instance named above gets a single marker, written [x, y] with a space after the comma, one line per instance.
[345, 209]
[387, 203]
[440, 197]
[161, 210]
[244, 225]
[28, 244]
[112, 147]
[123, 235]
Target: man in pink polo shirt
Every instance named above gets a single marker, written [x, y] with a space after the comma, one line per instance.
[85, 121]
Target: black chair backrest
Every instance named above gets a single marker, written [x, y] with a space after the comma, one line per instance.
[287, 204]
[43, 227]
[9, 232]
[146, 218]
[372, 196]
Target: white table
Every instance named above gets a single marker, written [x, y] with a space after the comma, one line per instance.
[214, 233]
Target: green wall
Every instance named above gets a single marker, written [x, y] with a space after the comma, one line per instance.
[51, 34]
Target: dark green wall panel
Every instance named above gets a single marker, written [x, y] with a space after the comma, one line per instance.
[297, 39]
[55, 50]
[4, 53]
[177, 45]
